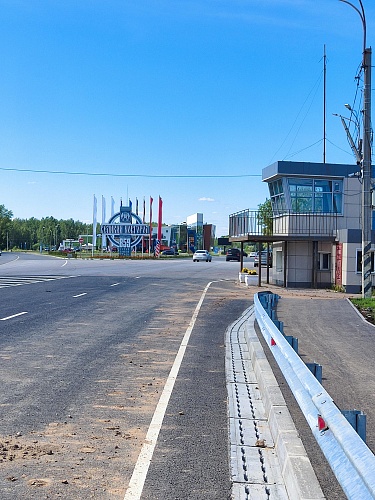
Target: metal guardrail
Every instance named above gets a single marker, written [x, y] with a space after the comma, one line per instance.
[352, 462]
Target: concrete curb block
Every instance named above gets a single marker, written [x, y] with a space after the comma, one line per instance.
[359, 314]
[298, 474]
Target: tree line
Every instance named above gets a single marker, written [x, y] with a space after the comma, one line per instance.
[30, 234]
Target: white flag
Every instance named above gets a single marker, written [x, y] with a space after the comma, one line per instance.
[103, 210]
[104, 238]
[94, 214]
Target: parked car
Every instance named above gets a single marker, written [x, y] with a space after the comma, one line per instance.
[233, 254]
[169, 252]
[253, 254]
[201, 255]
[263, 259]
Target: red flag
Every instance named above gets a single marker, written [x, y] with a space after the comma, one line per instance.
[158, 241]
[160, 218]
[151, 200]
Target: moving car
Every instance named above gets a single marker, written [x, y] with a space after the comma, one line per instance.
[263, 259]
[201, 255]
[233, 254]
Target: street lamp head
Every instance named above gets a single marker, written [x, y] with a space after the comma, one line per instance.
[348, 107]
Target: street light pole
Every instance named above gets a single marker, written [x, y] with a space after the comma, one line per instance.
[366, 178]
[366, 161]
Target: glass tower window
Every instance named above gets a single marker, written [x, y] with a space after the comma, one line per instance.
[301, 195]
[277, 196]
[315, 195]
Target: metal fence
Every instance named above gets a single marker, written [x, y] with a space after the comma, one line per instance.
[246, 222]
[287, 223]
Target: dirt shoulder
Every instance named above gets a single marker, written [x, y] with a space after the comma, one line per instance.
[299, 293]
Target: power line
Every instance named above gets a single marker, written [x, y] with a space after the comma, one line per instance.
[304, 149]
[102, 174]
[341, 149]
[314, 90]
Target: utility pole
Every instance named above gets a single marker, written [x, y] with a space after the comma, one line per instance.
[324, 103]
[366, 178]
[366, 160]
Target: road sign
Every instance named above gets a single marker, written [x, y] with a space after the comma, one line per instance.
[81, 240]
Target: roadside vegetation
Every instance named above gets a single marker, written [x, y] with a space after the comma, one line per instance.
[30, 234]
[366, 307]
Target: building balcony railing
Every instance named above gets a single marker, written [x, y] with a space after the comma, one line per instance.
[288, 223]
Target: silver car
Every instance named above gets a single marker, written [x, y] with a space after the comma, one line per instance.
[263, 259]
[201, 255]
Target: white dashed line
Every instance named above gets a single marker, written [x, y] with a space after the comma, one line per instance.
[13, 316]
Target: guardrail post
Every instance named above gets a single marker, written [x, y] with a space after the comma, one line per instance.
[357, 419]
[279, 325]
[293, 341]
[316, 370]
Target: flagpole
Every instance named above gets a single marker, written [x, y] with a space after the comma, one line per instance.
[143, 220]
[94, 214]
[104, 237]
[158, 245]
[150, 240]
[112, 206]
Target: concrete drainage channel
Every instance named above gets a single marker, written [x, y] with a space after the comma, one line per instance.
[268, 460]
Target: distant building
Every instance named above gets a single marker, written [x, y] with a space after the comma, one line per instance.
[208, 236]
[188, 236]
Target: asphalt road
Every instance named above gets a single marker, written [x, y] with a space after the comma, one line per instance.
[86, 347]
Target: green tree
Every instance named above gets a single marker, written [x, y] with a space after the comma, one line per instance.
[31, 233]
[265, 217]
[5, 224]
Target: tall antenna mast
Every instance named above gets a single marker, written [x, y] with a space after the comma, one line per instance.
[324, 103]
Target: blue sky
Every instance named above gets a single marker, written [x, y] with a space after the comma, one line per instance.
[173, 89]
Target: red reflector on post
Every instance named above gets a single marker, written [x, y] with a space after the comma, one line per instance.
[272, 341]
[322, 424]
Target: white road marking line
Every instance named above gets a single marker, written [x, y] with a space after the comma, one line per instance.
[8, 281]
[10, 261]
[79, 295]
[138, 478]
[114, 284]
[13, 316]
